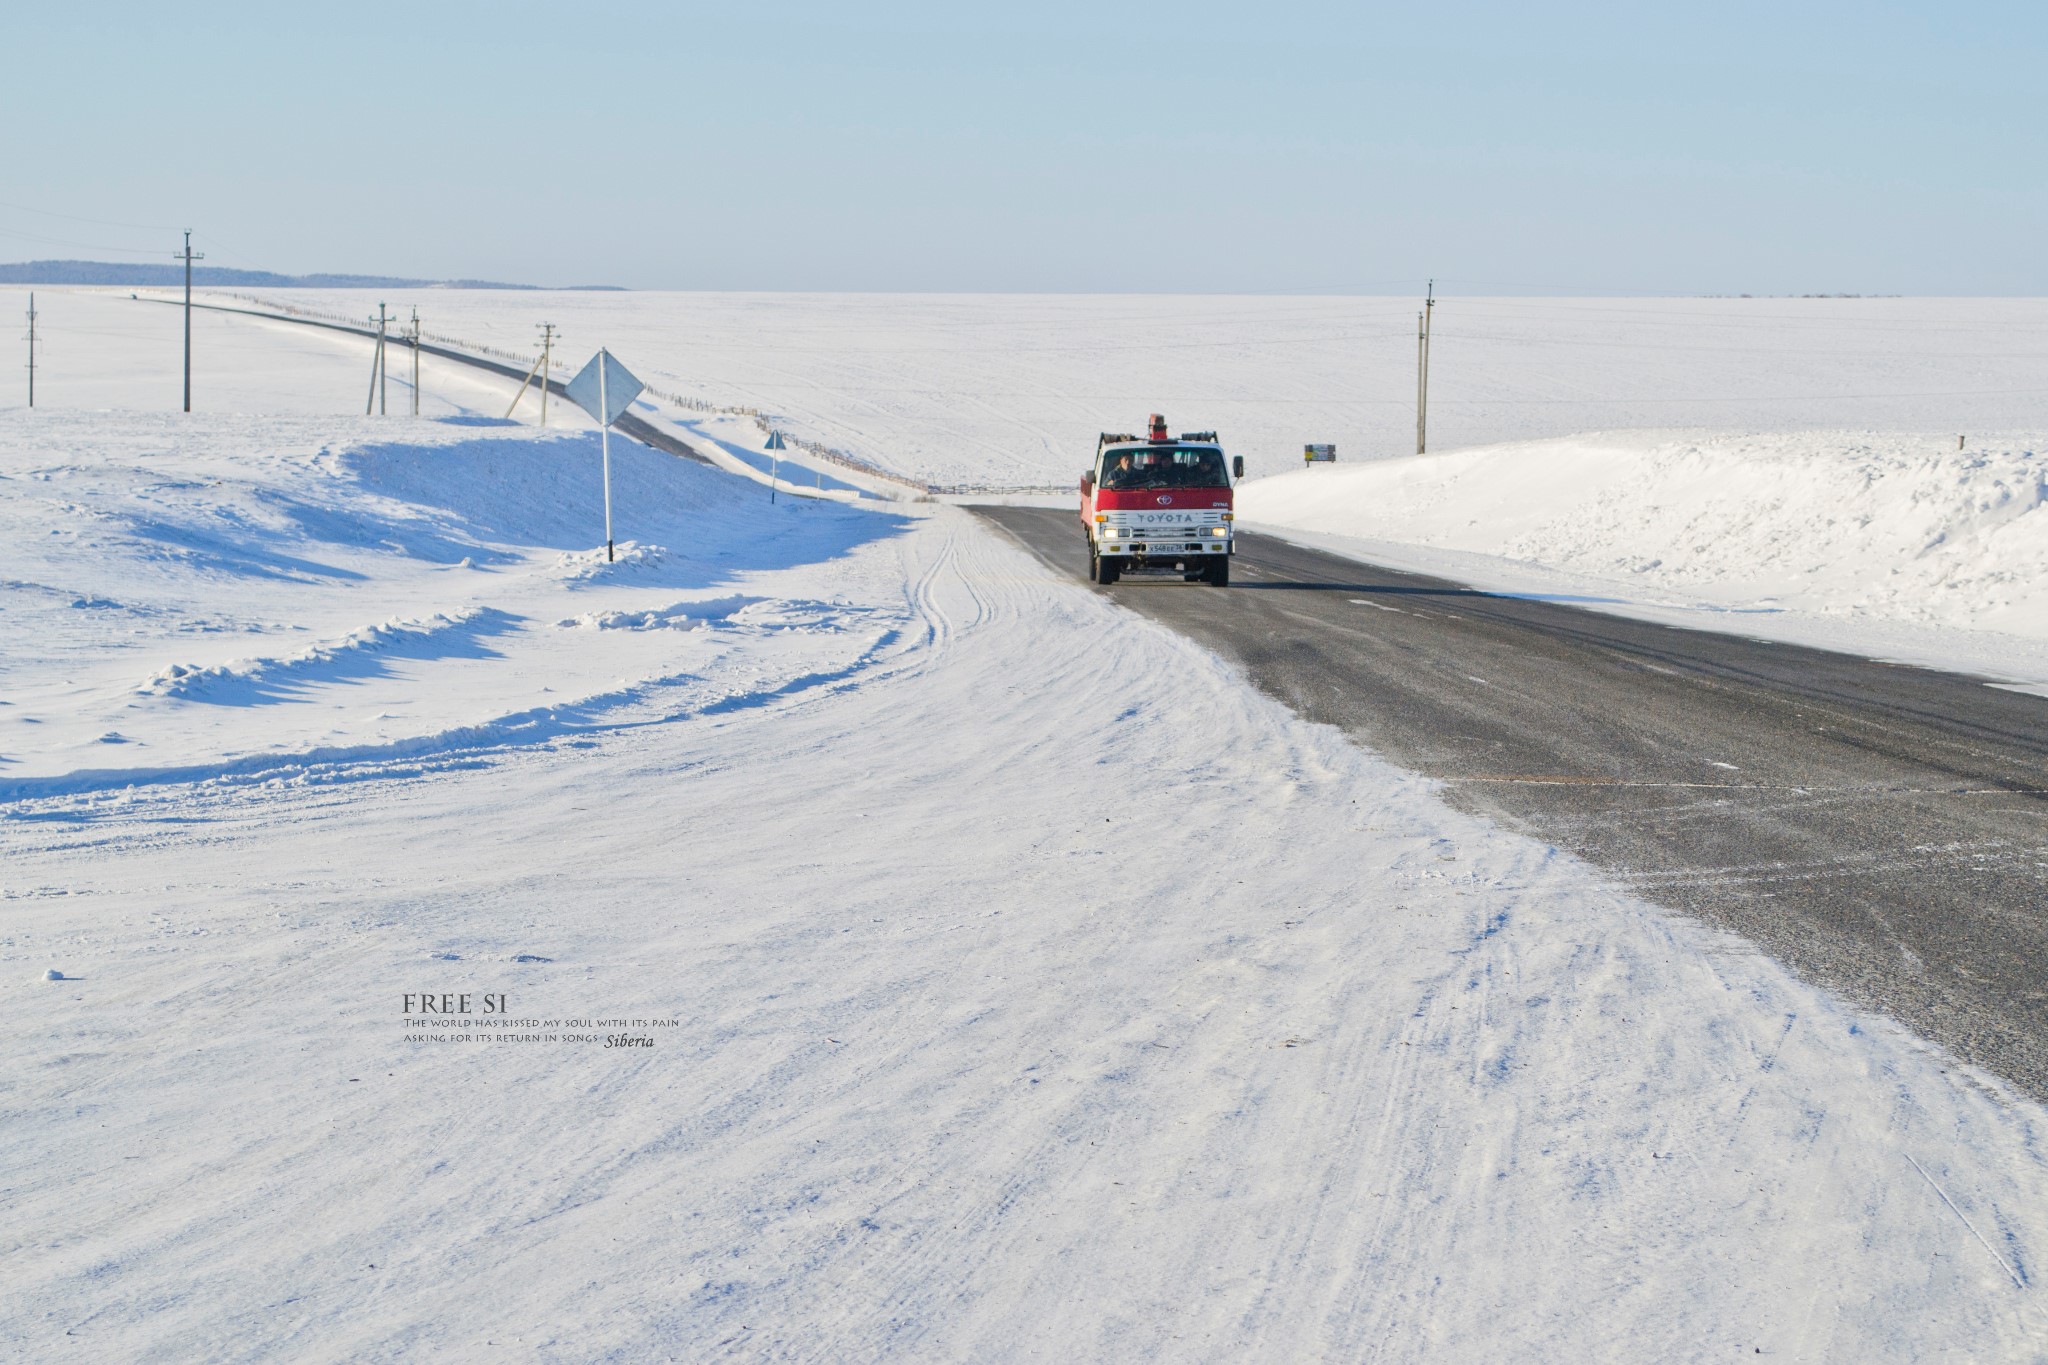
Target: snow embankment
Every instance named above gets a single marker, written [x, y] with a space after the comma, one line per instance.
[236, 593]
[1893, 533]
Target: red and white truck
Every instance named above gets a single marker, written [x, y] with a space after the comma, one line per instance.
[1161, 504]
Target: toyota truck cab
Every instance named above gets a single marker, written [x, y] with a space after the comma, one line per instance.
[1159, 504]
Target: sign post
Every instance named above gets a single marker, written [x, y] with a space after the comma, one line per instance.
[604, 438]
[776, 445]
[605, 389]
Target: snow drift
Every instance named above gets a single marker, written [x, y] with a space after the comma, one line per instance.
[225, 588]
[1877, 530]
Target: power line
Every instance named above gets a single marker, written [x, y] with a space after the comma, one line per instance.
[235, 253]
[213, 238]
[79, 246]
[96, 222]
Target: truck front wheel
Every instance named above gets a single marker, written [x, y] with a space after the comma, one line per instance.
[1108, 568]
[1219, 571]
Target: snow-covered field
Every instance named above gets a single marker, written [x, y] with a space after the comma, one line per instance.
[958, 1050]
[1785, 467]
[1015, 388]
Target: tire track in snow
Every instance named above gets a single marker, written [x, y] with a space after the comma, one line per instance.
[878, 918]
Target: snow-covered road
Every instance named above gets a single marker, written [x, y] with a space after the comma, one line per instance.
[1020, 984]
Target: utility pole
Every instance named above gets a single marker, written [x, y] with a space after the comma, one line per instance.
[413, 335]
[188, 258]
[547, 346]
[31, 350]
[1418, 383]
[1422, 321]
[377, 376]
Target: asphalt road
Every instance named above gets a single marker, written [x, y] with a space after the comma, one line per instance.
[1882, 830]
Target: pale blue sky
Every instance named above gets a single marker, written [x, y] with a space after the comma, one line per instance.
[1565, 148]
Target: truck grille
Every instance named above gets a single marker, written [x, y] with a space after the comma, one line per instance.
[1152, 531]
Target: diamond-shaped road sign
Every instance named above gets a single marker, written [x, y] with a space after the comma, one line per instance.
[604, 388]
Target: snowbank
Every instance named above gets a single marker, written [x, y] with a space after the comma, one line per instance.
[1851, 528]
[212, 589]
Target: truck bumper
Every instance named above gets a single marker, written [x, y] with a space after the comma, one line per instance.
[1165, 549]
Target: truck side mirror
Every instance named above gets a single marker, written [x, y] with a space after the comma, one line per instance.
[1087, 481]
[1237, 466]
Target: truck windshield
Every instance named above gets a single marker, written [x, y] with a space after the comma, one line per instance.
[1164, 467]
